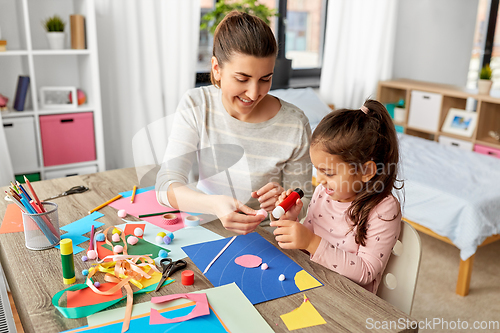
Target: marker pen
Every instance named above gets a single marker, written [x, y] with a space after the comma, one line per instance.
[68, 264]
[288, 203]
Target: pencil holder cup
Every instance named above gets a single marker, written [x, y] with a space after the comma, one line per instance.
[41, 231]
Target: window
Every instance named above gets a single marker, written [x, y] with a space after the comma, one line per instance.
[304, 33]
[206, 41]
[486, 47]
[302, 39]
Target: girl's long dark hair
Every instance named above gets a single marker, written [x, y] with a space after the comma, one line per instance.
[357, 138]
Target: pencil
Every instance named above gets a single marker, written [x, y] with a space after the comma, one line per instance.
[14, 200]
[33, 194]
[14, 187]
[106, 203]
[23, 191]
[45, 218]
[133, 194]
[156, 214]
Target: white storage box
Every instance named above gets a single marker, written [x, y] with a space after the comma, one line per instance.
[424, 111]
[462, 144]
[21, 140]
[51, 174]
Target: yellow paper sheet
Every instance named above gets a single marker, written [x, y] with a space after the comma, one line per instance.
[305, 281]
[305, 315]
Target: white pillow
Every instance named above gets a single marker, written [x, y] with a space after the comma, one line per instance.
[307, 100]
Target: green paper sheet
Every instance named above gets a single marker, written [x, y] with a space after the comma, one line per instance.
[142, 247]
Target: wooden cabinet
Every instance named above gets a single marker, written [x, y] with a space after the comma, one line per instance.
[432, 101]
[28, 53]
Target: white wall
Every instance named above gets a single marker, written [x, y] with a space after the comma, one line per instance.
[434, 40]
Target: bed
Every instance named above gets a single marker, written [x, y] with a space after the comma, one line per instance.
[453, 195]
[450, 194]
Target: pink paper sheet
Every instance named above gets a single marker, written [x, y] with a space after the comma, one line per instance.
[201, 308]
[248, 261]
[146, 203]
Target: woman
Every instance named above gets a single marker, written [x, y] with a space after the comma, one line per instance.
[247, 143]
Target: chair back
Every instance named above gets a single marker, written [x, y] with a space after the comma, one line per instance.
[400, 276]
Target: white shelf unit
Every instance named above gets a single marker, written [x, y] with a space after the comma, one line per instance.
[28, 53]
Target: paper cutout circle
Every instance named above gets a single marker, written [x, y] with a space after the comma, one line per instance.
[248, 261]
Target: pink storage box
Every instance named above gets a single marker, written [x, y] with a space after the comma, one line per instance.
[487, 150]
[67, 138]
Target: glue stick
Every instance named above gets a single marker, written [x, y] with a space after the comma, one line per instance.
[68, 265]
[289, 201]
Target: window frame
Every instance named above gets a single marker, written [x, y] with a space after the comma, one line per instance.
[203, 78]
[490, 33]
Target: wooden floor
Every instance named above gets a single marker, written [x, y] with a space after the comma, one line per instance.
[19, 327]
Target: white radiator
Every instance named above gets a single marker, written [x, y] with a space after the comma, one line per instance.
[7, 324]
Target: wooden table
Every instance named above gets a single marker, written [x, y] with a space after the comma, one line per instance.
[35, 276]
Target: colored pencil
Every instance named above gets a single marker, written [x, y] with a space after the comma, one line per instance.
[33, 194]
[23, 191]
[14, 187]
[16, 202]
[133, 194]
[45, 218]
[156, 214]
[105, 204]
[14, 194]
[41, 224]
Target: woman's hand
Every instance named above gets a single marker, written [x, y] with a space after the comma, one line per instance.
[293, 235]
[293, 213]
[229, 211]
[267, 195]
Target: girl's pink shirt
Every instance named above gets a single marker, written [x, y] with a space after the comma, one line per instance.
[338, 250]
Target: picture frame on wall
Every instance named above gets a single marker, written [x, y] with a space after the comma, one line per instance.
[58, 98]
[460, 122]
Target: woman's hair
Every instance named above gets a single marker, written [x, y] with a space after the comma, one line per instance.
[242, 33]
[357, 137]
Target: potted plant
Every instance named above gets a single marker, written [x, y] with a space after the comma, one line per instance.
[484, 83]
[55, 32]
[209, 21]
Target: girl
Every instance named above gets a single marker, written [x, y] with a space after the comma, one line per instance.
[353, 220]
[247, 144]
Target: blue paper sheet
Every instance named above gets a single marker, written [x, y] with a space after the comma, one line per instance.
[128, 194]
[258, 285]
[209, 323]
[76, 229]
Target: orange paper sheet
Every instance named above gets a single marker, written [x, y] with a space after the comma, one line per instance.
[13, 220]
[129, 228]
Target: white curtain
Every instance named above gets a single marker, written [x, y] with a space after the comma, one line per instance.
[6, 170]
[148, 52]
[359, 48]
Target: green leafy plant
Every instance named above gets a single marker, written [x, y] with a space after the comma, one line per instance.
[54, 24]
[211, 19]
[485, 73]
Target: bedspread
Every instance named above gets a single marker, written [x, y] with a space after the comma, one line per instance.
[453, 192]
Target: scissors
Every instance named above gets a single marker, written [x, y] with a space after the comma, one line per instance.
[169, 268]
[73, 190]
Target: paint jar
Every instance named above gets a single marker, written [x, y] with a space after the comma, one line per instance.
[41, 231]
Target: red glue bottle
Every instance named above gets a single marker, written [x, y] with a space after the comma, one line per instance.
[288, 203]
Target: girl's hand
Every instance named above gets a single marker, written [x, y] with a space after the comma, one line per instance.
[292, 213]
[267, 195]
[227, 210]
[293, 235]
